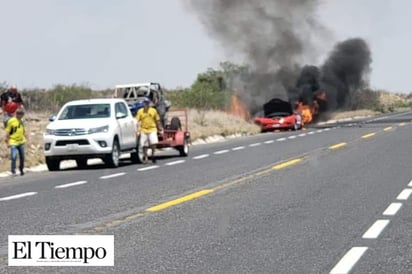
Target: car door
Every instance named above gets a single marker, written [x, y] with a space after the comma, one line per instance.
[127, 125]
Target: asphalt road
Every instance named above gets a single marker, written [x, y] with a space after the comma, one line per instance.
[313, 201]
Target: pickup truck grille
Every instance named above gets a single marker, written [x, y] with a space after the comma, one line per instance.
[68, 142]
[70, 132]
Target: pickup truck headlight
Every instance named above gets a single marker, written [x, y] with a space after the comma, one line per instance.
[50, 131]
[98, 130]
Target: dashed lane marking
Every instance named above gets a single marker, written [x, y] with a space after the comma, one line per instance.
[71, 184]
[338, 146]
[179, 200]
[376, 229]
[238, 148]
[404, 195]
[410, 183]
[349, 260]
[302, 135]
[175, 163]
[255, 144]
[311, 133]
[112, 175]
[147, 168]
[387, 128]
[286, 164]
[13, 197]
[269, 142]
[368, 135]
[292, 137]
[281, 139]
[201, 156]
[221, 151]
[392, 209]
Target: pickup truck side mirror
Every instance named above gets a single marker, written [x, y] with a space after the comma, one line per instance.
[52, 118]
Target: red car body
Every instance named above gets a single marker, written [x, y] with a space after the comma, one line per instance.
[278, 114]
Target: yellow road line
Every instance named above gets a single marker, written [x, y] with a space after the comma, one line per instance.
[338, 146]
[387, 128]
[286, 164]
[179, 200]
[368, 135]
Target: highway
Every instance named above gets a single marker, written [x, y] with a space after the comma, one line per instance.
[330, 199]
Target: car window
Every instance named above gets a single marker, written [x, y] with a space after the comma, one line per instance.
[89, 111]
[121, 108]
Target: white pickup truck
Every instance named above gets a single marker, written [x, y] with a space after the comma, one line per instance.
[94, 128]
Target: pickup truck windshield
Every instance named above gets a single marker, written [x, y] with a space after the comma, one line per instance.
[91, 111]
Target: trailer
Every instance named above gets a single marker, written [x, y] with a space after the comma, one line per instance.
[175, 122]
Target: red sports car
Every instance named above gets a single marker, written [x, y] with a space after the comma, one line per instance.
[278, 114]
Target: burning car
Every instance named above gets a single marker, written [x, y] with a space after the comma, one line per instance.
[278, 114]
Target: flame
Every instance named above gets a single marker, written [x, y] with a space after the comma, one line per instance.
[305, 111]
[309, 111]
[237, 107]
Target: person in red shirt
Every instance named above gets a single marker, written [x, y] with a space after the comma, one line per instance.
[11, 100]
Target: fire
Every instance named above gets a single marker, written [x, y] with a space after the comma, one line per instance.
[237, 107]
[308, 112]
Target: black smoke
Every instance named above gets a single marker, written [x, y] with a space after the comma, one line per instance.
[276, 38]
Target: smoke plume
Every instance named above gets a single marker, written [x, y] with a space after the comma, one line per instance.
[276, 38]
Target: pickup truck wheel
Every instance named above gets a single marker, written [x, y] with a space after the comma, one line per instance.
[112, 159]
[53, 164]
[184, 150]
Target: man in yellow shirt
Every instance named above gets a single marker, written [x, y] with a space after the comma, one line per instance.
[149, 122]
[16, 138]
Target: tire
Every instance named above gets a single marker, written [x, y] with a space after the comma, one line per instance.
[81, 163]
[53, 164]
[112, 159]
[184, 150]
[175, 124]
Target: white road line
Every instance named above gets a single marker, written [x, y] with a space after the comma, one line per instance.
[392, 209]
[221, 151]
[18, 196]
[375, 230]
[326, 129]
[147, 168]
[238, 148]
[319, 130]
[113, 175]
[410, 183]
[292, 137]
[302, 135]
[71, 184]
[269, 142]
[201, 156]
[349, 260]
[310, 133]
[255, 144]
[404, 195]
[281, 139]
[175, 163]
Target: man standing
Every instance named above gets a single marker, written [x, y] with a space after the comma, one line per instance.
[10, 101]
[149, 122]
[16, 138]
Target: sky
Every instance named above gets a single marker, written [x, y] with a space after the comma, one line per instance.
[104, 43]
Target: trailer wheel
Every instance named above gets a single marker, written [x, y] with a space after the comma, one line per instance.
[175, 124]
[184, 150]
[53, 163]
